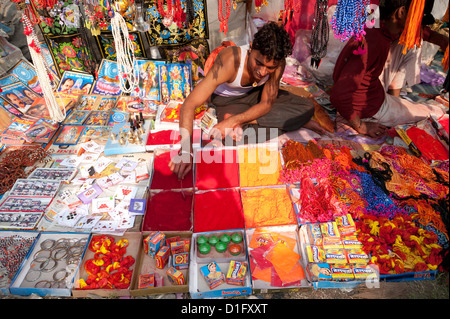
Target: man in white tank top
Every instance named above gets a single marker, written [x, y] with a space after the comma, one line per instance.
[243, 85]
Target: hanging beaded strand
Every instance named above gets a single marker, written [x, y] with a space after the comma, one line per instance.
[349, 19]
[224, 15]
[128, 77]
[57, 113]
[320, 33]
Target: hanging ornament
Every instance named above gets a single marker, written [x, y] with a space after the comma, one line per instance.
[291, 9]
[349, 19]
[259, 4]
[412, 33]
[320, 33]
[39, 63]
[166, 14]
[224, 15]
[126, 59]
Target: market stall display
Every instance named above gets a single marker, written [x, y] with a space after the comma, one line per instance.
[89, 204]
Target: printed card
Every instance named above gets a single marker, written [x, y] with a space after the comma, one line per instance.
[105, 226]
[101, 205]
[101, 164]
[125, 192]
[137, 206]
[88, 195]
[87, 222]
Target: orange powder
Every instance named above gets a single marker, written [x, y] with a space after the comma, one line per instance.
[259, 166]
[267, 207]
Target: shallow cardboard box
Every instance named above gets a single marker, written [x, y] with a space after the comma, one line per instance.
[21, 287]
[198, 288]
[263, 286]
[26, 234]
[303, 239]
[133, 249]
[146, 264]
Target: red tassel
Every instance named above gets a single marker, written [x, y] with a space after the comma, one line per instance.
[35, 47]
[27, 31]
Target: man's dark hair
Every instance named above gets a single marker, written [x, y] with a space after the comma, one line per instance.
[272, 41]
[388, 7]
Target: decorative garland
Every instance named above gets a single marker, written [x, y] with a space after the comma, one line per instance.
[397, 246]
[109, 269]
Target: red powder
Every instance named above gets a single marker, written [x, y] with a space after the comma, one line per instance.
[168, 211]
[163, 178]
[216, 169]
[218, 210]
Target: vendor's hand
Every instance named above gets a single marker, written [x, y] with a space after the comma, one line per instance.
[226, 128]
[372, 129]
[181, 164]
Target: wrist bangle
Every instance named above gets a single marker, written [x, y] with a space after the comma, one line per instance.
[185, 152]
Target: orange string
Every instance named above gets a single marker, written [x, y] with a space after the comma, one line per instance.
[444, 61]
[412, 34]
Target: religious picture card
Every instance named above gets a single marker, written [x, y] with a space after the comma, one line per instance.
[75, 82]
[148, 87]
[26, 73]
[69, 135]
[99, 118]
[8, 79]
[108, 82]
[20, 96]
[175, 80]
[76, 117]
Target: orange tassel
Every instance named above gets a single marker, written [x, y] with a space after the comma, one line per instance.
[445, 18]
[444, 61]
[412, 34]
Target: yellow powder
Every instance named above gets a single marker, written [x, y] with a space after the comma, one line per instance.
[267, 207]
[259, 166]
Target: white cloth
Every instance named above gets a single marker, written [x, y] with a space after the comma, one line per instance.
[401, 69]
[396, 110]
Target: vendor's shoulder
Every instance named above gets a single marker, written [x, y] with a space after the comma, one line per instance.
[229, 58]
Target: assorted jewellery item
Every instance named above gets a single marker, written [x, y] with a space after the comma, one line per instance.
[13, 164]
[128, 76]
[349, 19]
[320, 33]
[13, 249]
[55, 262]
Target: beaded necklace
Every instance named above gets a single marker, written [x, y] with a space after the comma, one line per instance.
[128, 76]
[320, 33]
[224, 15]
[349, 19]
[168, 13]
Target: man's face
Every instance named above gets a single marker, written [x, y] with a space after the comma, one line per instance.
[15, 100]
[67, 85]
[259, 66]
